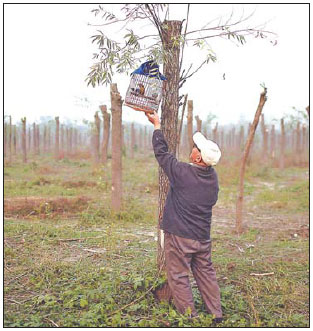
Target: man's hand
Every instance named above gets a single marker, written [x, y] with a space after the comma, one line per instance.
[154, 119]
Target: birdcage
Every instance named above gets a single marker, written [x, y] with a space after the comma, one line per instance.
[145, 89]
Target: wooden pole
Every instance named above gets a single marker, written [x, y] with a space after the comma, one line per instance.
[116, 109]
[239, 205]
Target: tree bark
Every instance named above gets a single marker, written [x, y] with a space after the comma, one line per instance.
[171, 31]
[239, 205]
[282, 144]
[57, 138]
[273, 142]
[116, 109]
[106, 133]
[24, 140]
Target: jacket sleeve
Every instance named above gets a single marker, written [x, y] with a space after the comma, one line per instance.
[166, 160]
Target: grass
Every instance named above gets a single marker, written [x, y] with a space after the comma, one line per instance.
[77, 267]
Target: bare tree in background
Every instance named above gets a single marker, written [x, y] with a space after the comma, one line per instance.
[57, 138]
[199, 123]
[116, 109]
[282, 144]
[24, 140]
[253, 127]
[10, 138]
[132, 140]
[96, 134]
[106, 133]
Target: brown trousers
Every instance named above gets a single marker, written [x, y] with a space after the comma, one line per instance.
[181, 254]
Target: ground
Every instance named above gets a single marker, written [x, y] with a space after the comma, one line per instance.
[69, 261]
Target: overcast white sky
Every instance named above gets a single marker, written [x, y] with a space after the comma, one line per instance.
[48, 52]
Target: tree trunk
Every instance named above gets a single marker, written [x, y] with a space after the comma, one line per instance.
[199, 123]
[57, 138]
[45, 139]
[265, 139]
[49, 138]
[97, 138]
[10, 139]
[34, 138]
[222, 139]
[273, 142]
[5, 140]
[106, 133]
[308, 111]
[24, 140]
[14, 139]
[239, 205]
[215, 133]
[61, 149]
[116, 109]
[132, 140]
[181, 125]
[68, 142]
[37, 140]
[298, 145]
[145, 142]
[171, 31]
[282, 144]
[29, 139]
[190, 124]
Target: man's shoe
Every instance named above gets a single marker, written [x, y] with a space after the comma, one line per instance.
[218, 320]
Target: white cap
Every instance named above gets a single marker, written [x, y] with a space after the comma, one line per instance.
[210, 151]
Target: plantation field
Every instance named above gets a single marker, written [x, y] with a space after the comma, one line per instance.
[70, 261]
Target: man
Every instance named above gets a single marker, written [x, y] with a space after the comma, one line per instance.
[187, 220]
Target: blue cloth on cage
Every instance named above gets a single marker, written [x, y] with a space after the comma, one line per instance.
[151, 69]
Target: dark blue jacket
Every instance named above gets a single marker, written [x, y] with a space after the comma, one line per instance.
[192, 194]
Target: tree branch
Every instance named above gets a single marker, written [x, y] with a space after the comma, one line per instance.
[182, 51]
[201, 65]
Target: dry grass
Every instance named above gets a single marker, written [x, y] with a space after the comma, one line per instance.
[42, 207]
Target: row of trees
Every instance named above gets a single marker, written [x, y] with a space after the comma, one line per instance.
[283, 145]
